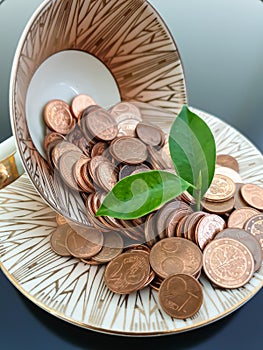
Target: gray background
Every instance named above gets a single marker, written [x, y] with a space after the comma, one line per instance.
[221, 44]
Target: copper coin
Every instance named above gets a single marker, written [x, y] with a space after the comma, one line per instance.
[58, 117]
[156, 283]
[65, 166]
[173, 219]
[109, 223]
[180, 296]
[113, 223]
[175, 255]
[102, 125]
[253, 195]
[227, 161]
[92, 204]
[247, 239]
[221, 189]
[188, 198]
[125, 110]
[163, 214]
[149, 280]
[140, 251]
[53, 136]
[95, 202]
[85, 146]
[49, 151]
[138, 221]
[149, 134]
[239, 201]
[135, 232]
[164, 152]
[112, 247]
[74, 135]
[91, 262]
[149, 230]
[98, 149]
[232, 174]
[89, 110]
[108, 155]
[219, 207]
[180, 227]
[141, 169]
[127, 128]
[60, 220]
[128, 170]
[84, 243]
[106, 175]
[132, 235]
[127, 273]
[90, 214]
[80, 103]
[139, 247]
[228, 263]
[129, 150]
[191, 224]
[207, 228]
[58, 240]
[94, 163]
[77, 137]
[77, 174]
[84, 172]
[157, 161]
[240, 216]
[61, 148]
[255, 226]
[83, 127]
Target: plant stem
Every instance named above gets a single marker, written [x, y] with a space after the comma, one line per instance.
[198, 199]
[198, 191]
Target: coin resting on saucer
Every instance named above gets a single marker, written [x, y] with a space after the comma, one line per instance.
[90, 149]
[226, 160]
[181, 296]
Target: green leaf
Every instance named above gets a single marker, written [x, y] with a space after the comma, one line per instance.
[138, 195]
[193, 150]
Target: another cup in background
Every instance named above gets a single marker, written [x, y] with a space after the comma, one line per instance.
[10, 165]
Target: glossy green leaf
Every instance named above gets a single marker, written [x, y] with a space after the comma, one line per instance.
[193, 151]
[138, 195]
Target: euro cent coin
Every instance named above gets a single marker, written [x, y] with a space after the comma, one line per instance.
[180, 296]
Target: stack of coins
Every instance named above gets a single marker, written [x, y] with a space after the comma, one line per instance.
[91, 149]
[86, 243]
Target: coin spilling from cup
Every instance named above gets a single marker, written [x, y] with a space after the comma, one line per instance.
[90, 149]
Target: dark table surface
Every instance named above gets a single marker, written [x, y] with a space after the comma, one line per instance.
[237, 101]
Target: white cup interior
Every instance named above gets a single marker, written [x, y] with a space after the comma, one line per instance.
[63, 76]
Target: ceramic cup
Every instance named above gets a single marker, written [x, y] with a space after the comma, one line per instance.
[115, 50]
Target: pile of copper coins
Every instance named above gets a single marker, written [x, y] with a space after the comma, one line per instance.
[91, 148]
